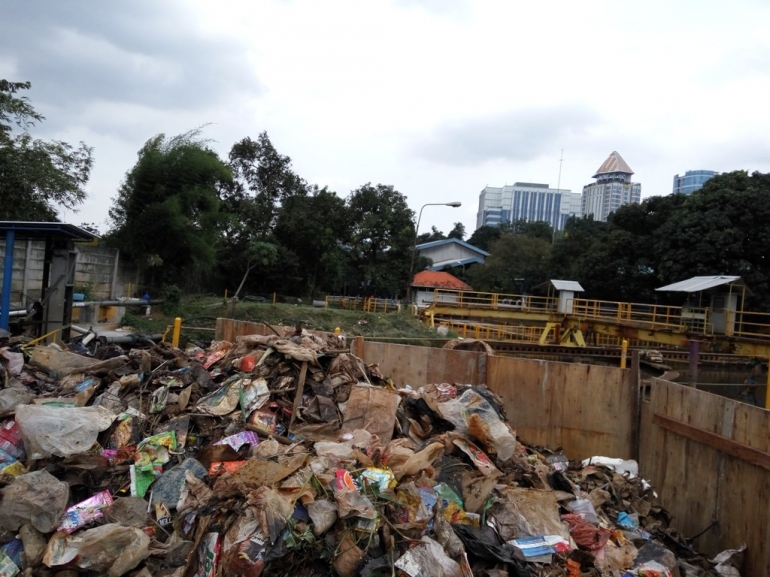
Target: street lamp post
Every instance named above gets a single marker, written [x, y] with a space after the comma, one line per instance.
[414, 244]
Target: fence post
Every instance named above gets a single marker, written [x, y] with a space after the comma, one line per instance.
[623, 353]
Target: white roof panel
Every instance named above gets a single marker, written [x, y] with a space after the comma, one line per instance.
[567, 285]
[701, 283]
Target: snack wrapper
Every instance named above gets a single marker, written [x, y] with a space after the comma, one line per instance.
[239, 439]
[85, 512]
[219, 467]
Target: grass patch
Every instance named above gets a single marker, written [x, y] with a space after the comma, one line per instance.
[202, 312]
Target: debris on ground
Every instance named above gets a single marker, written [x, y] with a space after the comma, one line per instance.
[287, 455]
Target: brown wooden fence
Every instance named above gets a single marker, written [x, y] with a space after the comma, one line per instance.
[707, 457]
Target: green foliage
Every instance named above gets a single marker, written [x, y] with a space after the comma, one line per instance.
[381, 238]
[172, 296]
[484, 236]
[535, 229]
[516, 264]
[166, 212]
[434, 234]
[724, 228]
[458, 231]
[86, 290]
[314, 228]
[36, 176]
[263, 180]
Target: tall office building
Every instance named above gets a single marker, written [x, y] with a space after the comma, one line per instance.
[527, 201]
[691, 181]
[613, 188]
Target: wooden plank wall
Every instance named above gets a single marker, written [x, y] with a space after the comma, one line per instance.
[587, 410]
[707, 457]
[418, 366]
[229, 329]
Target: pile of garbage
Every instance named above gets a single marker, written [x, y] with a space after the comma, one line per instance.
[287, 455]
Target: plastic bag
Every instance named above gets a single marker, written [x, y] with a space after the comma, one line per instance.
[38, 498]
[60, 431]
[428, 559]
[111, 549]
[474, 417]
[323, 514]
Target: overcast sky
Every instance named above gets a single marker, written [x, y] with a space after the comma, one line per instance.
[436, 97]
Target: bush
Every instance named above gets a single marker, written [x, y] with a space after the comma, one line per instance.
[171, 295]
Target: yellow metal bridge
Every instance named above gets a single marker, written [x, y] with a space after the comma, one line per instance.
[534, 319]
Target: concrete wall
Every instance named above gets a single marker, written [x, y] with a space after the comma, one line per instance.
[94, 268]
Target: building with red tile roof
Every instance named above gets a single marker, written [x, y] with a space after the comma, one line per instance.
[426, 281]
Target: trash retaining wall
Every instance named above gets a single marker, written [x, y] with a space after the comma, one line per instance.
[706, 456]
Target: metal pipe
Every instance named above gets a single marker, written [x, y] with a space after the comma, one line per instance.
[5, 305]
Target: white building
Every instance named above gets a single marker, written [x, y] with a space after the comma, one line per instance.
[451, 252]
[527, 201]
[613, 188]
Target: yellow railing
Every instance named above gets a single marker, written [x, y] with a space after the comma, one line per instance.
[654, 316]
[375, 305]
[494, 301]
[692, 320]
[347, 303]
[491, 332]
[368, 305]
[749, 324]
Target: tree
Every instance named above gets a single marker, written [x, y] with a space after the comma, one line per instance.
[484, 236]
[534, 229]
[263, 180]
[381, 240]
[434, 234]
[516, 263]
[723, 228]
[36, 176]
[166, 211]
[457, 232]
[572, 246]
[314, 228]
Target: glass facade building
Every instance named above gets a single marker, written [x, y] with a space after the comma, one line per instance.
[527, 201]
[691, 181]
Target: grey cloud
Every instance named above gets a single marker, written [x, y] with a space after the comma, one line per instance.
[518, 135]
[147, 53]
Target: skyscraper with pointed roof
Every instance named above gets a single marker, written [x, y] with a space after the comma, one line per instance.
[613, 188]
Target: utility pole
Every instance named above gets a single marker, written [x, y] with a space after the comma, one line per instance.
[558, 187]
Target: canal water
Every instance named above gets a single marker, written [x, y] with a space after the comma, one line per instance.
[731, 382]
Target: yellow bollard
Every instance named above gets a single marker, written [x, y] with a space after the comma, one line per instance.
[177, 331]
[623, 353]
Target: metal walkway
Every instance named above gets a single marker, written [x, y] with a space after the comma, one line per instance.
[536, 320]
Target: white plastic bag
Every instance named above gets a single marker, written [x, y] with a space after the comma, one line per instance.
[60, 431]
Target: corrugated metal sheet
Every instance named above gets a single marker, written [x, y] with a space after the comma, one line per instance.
[701, 283]
[567, 285]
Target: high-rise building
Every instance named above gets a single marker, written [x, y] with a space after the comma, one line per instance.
[613, 188]
[527, 201]
[691, 181]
